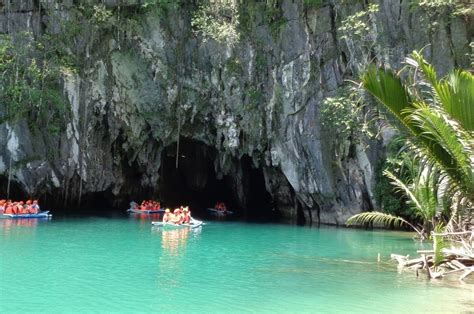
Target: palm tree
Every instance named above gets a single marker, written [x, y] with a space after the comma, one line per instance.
[437, 117]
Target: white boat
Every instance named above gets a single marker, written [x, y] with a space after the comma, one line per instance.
[170, 225]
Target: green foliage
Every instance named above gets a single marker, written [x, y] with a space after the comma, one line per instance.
[274, 18]
[101, 15]
[381, 219]
[384, 192]
[404, 189]
[358, 24]
[445, 7]
[342, 115]
[234, 66]
[30, 80]
[440, 134]
[359, 33]
[218, 20]
[314, 3]
[251, 14]
[255, 98]
[436, 116]
[438, 245]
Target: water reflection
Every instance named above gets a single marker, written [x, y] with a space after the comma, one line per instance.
[146, 218]
[10, 226]
[174, 240]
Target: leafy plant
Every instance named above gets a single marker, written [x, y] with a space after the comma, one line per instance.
[343, 115]
[438, 245]
[218, 20]
[30, 80]
[390, 200]
[359, 34]
[437, 117]
[382, 219]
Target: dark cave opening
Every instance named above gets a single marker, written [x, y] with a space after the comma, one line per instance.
[195, 182]
[192, 180]
[15, 192]
[259, 202]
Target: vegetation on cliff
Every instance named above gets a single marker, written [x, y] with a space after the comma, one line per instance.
[437, 118]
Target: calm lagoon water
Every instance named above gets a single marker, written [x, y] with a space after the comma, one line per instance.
[93, 264]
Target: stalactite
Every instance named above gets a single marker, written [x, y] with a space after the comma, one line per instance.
[9, 178]
[177, 143]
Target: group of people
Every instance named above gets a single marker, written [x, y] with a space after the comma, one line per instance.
[146, 205]
[19, 208]
[220, 206]
[181, 215]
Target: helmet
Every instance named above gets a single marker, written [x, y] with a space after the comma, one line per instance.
[167, 210]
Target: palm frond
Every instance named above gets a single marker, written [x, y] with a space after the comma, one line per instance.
[455, 92]
[377, 218]
[404, 188]
[380, 218]
[388, 89]
[451, 146]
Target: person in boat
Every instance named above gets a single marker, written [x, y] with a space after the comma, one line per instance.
[133, 205]
[220, 206]
[35, 207]
[167, 217]
[29, 207]
[177, 217]
[21, 208]
[2, 206]
[187, 215]
[9, 209]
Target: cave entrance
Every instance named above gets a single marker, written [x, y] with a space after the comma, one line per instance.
[259, 203]
[194, 182]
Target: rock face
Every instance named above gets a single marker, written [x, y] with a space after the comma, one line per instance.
[251, 107]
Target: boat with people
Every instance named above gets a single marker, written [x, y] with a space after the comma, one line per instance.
[172, 225]
[146, 207]
[22, 210]
[179, 218]
[220, 209]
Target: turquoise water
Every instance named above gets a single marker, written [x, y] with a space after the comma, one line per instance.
[125, 265]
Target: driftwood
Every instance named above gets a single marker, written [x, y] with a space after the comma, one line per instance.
[454, 259]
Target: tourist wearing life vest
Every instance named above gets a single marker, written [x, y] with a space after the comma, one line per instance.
[176, 218]
[187, 215]
[167, 217]
[220, 206]
[20, 208]
[3, 206]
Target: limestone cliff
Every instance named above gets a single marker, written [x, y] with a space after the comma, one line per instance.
[254, 104]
